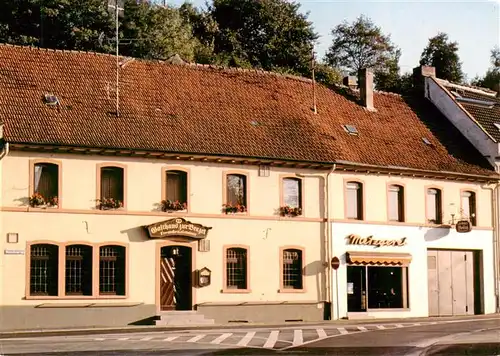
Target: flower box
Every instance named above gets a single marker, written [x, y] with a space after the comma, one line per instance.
[169, 205]
[232, 209]
[38, 201]
[109, 203]
[290, 211]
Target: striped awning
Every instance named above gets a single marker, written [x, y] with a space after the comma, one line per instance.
[378, 258]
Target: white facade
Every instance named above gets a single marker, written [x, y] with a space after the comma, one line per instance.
[418, 241]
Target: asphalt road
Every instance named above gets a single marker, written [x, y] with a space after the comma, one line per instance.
[458, 337]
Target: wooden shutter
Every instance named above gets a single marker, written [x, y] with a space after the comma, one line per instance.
[112, 183]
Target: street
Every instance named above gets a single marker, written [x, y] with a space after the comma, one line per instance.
[456, 337]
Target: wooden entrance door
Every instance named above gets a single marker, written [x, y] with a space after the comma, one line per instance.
[175, 278]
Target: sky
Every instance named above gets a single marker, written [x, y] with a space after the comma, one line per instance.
[474, 24]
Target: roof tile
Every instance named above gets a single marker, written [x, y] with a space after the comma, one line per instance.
[206, 110]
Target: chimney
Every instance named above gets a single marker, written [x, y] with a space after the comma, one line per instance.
[366, 88]
[419, 75]
[351, 81]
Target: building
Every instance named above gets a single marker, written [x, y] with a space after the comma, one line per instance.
[212, 189]
[475, 112]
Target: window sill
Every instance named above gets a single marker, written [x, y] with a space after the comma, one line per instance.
[236, 291]
[74, 297]
[235, 214]
[291, 290]
[43, 208]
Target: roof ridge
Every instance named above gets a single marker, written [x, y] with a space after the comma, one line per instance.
[47, 49]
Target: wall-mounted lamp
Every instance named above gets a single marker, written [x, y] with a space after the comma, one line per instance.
[12, 237]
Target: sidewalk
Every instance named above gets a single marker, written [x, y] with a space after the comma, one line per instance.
[5, 334]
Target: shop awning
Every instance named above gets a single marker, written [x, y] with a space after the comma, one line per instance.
[378, 258]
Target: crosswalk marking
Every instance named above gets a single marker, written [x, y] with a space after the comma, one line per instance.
[343, 331]
[297, 337]
[221, 338]
[171, 338]
[246, 339]
[361, 328]
[123, 338]
[99, 339]
[271, 340]
[399, 325]
[381, 327]
[196, 338]
[321, 333]
[147, 338]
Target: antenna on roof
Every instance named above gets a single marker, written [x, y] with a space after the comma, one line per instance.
[117, 8]
[313, 65]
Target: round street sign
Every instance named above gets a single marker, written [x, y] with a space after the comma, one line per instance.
[335, 263]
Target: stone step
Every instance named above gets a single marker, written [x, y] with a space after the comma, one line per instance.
[178, 312]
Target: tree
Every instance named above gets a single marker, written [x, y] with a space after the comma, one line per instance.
[360, 44]
[491, 79]
[267, 34]
[387, 78]
[61, 24]
[156, 32]
[442, 54]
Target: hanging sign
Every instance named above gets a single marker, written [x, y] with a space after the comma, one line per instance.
[177, 227]
[463, 226]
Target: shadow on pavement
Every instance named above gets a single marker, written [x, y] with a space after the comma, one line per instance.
[476, 349]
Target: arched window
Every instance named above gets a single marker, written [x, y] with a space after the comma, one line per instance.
[45, 184]
[469, 206]
[112, 187]
[396, 203]
[112, 270]
[354, 200]
[78, 270]
[236, 268]
[292, 269]
[44, 262]
[434, 206]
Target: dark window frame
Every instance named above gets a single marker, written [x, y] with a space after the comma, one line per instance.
[44, 270]
[79, 268]
[112, 270]
[236, 268]
[292, 269]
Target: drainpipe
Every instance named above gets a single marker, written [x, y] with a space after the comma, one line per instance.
[495, 194]
[327, 233]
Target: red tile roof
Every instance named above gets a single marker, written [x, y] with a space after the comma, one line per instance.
[202, 110]
[484, 115]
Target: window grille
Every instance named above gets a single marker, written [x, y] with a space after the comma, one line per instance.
[43, 270]
[79, 270]
[292, 269]
[112, 270]
[236, 268]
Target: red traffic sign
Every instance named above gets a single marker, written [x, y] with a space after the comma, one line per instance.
[335, 263]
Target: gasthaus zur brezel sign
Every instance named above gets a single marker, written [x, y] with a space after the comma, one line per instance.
[177, 227]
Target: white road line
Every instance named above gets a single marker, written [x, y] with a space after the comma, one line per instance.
[170, 338]
[147, 338]
[361, 328]
[99, 339]
[321, 333]
[343, 331]
[246, 339]
[221, 338]
[381, 327]
[297, 337]
[271, 340]
[196, 338]
[123, 338]
[400, 326]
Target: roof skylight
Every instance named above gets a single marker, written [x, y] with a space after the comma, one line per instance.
[351, 129]
[497, 125]
[50, 99]
[426, 141]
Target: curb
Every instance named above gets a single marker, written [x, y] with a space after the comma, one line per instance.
[153, 328]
